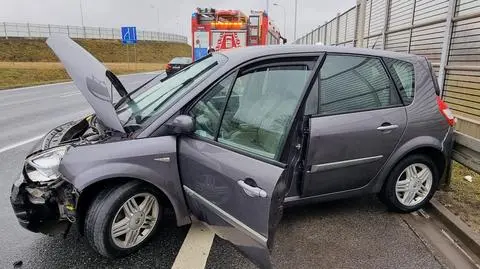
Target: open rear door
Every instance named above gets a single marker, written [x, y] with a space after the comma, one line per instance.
[238, 196]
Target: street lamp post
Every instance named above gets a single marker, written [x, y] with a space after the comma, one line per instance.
[158, 16]
[81, 12]
[284, 18]
[81, 16]
[295, 23]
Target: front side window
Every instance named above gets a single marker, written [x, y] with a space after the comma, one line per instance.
[207, 112]
[354, 83]
[261, 107]
[403, 76]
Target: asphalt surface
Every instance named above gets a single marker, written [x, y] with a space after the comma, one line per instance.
[355, 233]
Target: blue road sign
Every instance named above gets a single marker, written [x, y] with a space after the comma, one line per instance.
[129, 35]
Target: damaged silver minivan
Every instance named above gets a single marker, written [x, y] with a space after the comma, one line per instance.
[232, 139]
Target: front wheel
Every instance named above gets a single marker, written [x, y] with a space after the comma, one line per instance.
[121, 219]
[411, 184]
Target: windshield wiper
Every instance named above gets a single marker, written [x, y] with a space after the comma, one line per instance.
[116, 83]
[134, 91]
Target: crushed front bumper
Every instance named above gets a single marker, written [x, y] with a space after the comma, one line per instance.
[43, 209]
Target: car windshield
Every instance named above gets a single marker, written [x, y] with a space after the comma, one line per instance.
[153, 101]
[181, 60]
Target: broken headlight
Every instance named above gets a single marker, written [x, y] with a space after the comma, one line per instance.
[43, 166]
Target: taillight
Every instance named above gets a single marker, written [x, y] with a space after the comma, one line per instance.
[446, 112]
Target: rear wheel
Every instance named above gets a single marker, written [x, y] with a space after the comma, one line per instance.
[411, 184]
[122, 219]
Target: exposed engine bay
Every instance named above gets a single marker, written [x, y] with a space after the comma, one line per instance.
[85, 131]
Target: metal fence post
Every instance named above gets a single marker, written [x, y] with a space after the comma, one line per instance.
[385, 26]
[49, 30]
[113, 33]
[5, 29]
[68, 31]
[28, 30]
[411, 27]
[338, 29]
[99, 33]
[447, 38]
[361, 14]
[84, 32]
[325, 35]
[346, 27]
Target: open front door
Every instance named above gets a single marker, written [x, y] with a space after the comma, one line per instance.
[237, 166]
[220, 190]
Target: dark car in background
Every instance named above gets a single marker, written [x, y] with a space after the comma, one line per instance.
[232, 139]
[177, 64]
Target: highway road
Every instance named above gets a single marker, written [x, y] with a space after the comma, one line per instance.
[355, 233]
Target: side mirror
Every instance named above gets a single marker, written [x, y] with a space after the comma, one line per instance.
[182, 124]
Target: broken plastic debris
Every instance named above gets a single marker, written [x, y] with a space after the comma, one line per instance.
[468, 178]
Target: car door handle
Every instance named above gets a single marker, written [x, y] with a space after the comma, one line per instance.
[387, 127]
[252, 191]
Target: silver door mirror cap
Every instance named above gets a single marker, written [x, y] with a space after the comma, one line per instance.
[182, 124]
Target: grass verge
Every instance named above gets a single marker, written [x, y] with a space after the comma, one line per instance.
[36, 50]
[463, 198]
[22, 74]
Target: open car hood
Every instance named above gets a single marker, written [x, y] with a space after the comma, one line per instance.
[89, 75]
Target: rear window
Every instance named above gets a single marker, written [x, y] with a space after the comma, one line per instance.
[404, 78]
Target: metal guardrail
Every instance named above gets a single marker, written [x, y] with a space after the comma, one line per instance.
[28, 30]
[467, 151]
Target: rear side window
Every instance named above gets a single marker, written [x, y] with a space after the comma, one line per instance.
[354, 83]
[404, 78]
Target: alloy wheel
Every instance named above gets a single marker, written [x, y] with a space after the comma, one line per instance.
[414, 184]
[135, 220]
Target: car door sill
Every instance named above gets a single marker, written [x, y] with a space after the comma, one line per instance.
[341, 164]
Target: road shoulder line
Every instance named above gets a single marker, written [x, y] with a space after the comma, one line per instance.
[69, 82]
[21, 143]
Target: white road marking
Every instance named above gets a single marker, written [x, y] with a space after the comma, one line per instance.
[66, 94]
[34, 87]
[21, 143]
[69, 94]
[67, 82]
[25, 101]
[78, 114]
[195, 248]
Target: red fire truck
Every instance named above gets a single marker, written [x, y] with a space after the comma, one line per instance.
[226, 29]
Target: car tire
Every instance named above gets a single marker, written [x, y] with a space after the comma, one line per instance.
[411, 184]
[115, 206]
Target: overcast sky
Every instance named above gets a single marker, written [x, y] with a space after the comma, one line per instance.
[174, 14]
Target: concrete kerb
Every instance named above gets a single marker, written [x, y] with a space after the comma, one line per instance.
[457, 226]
